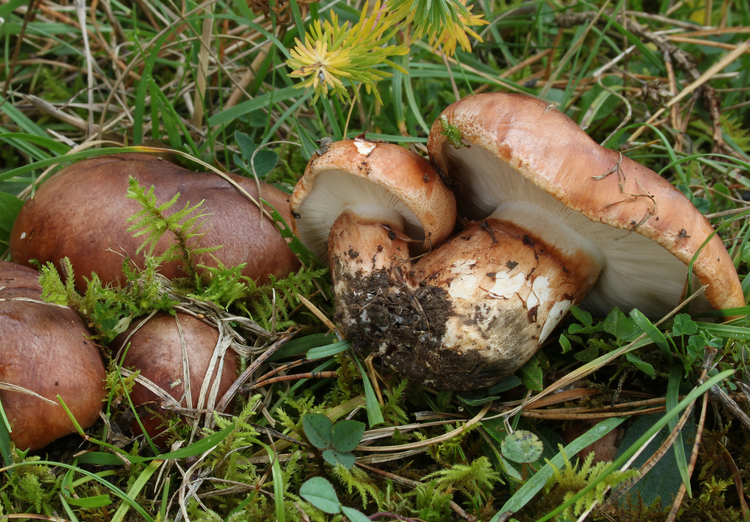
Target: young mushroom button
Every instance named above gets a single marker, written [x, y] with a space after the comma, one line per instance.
[559, 220]
[368, 207]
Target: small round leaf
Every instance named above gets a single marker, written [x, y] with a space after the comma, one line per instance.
[354, 515]
[320, 493]
[522, 446]
[334, 457]
[318, 429]
[347, 434]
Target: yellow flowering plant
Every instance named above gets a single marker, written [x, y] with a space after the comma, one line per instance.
[334, 52]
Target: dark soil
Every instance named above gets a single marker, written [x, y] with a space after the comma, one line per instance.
[405, 326]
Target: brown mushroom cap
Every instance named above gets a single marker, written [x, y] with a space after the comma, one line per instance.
[156, 350]
[371, 176]
[46, 349]
[535, 154]
[81, 213]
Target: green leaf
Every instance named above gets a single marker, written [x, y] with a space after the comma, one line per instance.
[505, 384]
[663, 481]
[23, 121]
[532, 375]
[334, 457]
[618, 324]
[652, 331]
[278, 486]
[490, 394]
[48, 143]
[329, 350]
[582, 316]
[522, 446]
[565, 343]
[320, 493]
[301, 345]
[100, 458]
[196, 448]
[354, 515]
[262, 160]
[11, 6]
[90, 502]
[251, 105]
[696, 345]
[300, 250]
[374, 415]
[136, 488]
[143, 88]
[347, 434]
[684, 325]
[702, 204]
[308, 142]
[318, 429]
[673, 396]
[5, 437]
[67, 508]
[641, 364]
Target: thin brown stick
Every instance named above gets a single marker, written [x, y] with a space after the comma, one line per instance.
[295, 377]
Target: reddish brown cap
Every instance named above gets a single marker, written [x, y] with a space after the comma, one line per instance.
[371, 175]
[81, 213]
[533, 153]
[45, 349]
[156, 349]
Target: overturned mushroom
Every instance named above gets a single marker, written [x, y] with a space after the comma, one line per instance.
[559, 220]
[367, 202]
[174, 355]
[46, 352]
[81, 213]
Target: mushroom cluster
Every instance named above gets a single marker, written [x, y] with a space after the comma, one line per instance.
[552, 220]
[46, 351]
[81, 213]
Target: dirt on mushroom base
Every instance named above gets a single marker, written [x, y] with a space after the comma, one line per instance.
[405, 326]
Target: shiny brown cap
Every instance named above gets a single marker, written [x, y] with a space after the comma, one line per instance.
[82, 211]
[550, 158]
[45, 349]
[366, 173]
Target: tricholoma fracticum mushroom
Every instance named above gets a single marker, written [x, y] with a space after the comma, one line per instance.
[45, 351]
[559, 220]
[368, 202]
[81, 213]
[179, 357]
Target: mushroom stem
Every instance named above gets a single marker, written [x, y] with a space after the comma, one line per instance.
[509, 286]
[370, 264]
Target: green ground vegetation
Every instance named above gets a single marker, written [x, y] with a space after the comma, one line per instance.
[254, 88]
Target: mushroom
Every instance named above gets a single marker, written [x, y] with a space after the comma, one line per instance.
[158, 349]
[558, 220]
[364, 203]
[46, 352]
[81, 213]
